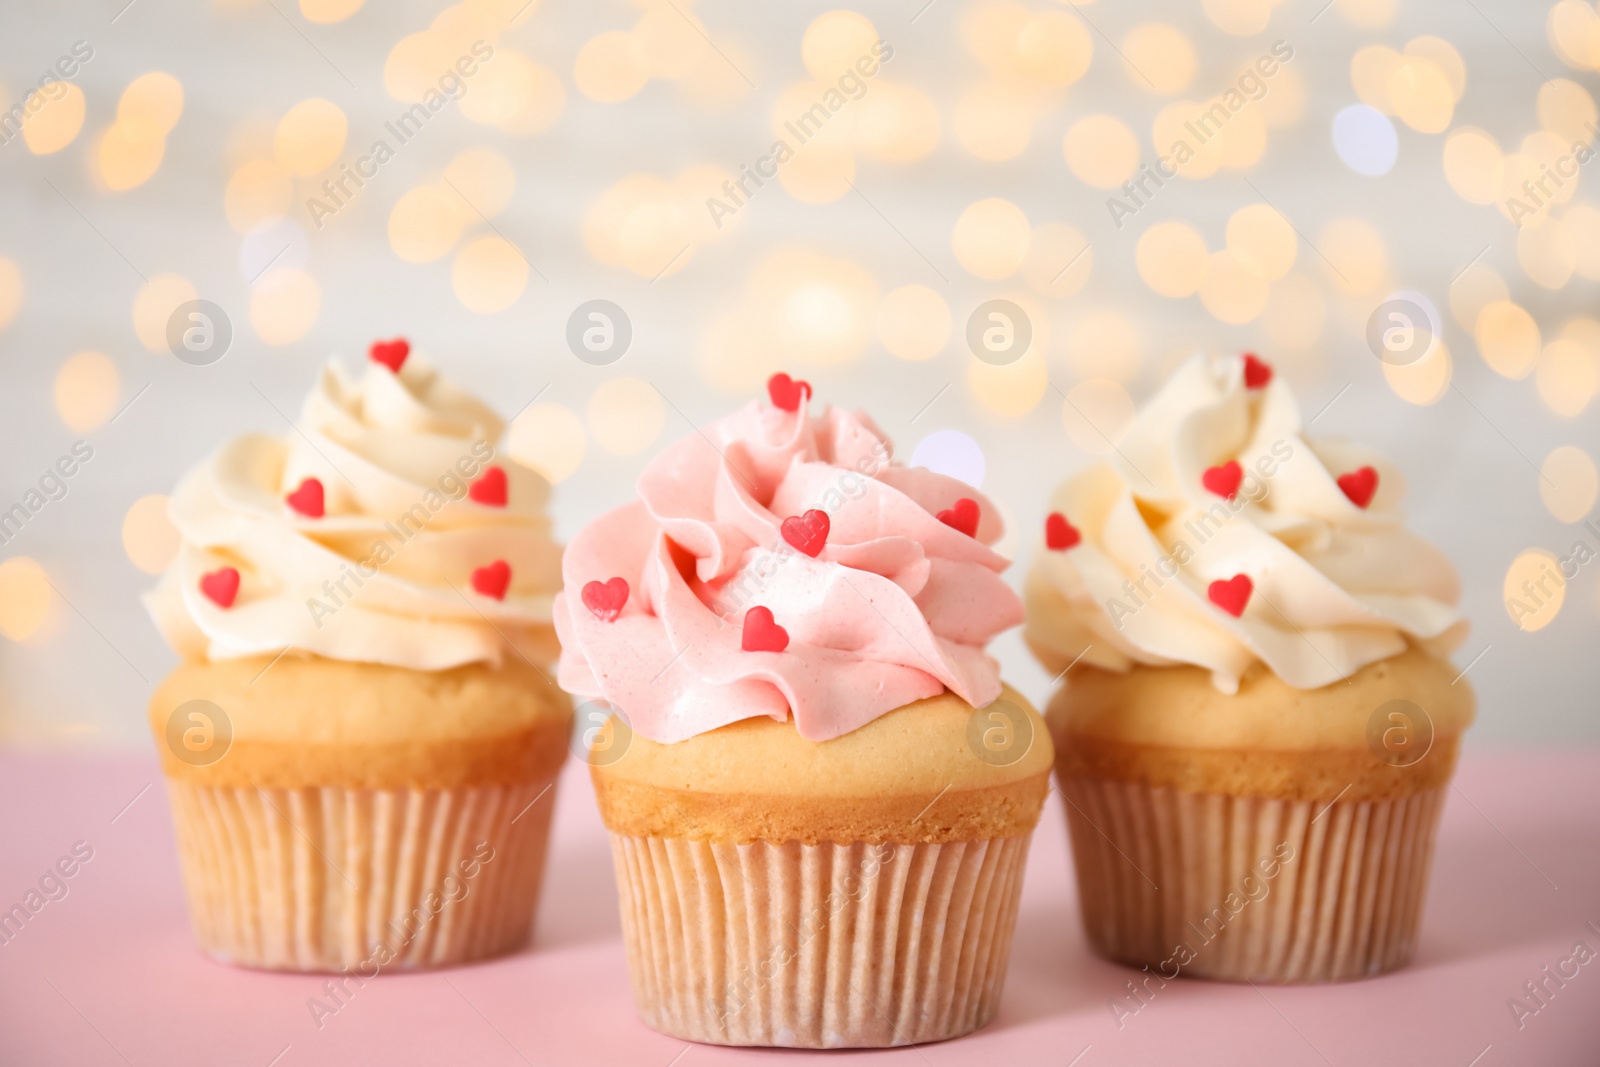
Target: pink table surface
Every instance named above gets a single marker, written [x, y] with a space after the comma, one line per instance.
[109, 975]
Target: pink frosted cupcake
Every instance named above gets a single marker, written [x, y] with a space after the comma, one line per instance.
[819, 837]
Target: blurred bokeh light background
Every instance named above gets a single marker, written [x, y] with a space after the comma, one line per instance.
[225, 151]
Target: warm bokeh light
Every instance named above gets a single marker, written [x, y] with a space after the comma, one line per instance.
[611, 67]
[1295, 313]
[1568, 483]
[86, 391]
[1105, 343]
[674, 41]
[1356, 258]
[1101, 151]
[1582, 222]
[913, 322]
[1573, 28]
[310, 136]
[1095, 413]
[1372, 70]
[10, 291]
[57, 122]
[1159, 57]
[1243, 18]
[426, 223]
[735, 353]
[1534, 589]
[158, 298]
[258, 191]
[1052, 49]
[488, 274]
[150, 106]
[991, 238]
[1474, 165]
[1230, 292]
[1172, 258]
[1476, 286]
[1547, 253]
[541, 107]
[128, 156]
[626, 415]
[148, 536]
[818, 309]
[819, 175]
[326, 11]
[284, 306]
[644, 224]
[1262, 241]
[1508, 338]
[1285, 104]
[1423, 382]
[994, 121]
[485, 179]
[1368, 14]
[834, 42]
[413, 67]
[1059, 261]
[549, 438]
[1421, 96]
[896, 124]
[25, 598]
[1172, 136]
[1011, 390]
[1567, 375]
[719, 84]
[502, 89]
[1445, 57]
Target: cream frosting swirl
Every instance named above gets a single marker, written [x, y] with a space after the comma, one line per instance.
[1334, 580]
[895, 606]
[386, 573]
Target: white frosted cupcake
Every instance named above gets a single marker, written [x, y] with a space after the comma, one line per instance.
[1257, 726]
[359, 743]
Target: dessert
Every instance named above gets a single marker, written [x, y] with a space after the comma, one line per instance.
[819, 792]
[360, 744]
[1257, 723]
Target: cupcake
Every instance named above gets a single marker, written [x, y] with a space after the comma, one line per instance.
[1257, 724]
[360, 744]
[818, 791]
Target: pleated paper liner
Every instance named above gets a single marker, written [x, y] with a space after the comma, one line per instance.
[1250, 888]
[329, 879]
[818, 946]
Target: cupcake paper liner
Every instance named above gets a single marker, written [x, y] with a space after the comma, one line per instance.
[818, 946]
[1250, 888]
[365, 880]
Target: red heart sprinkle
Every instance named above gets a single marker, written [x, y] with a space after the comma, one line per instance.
[605, 599]
[1359, 485]
[391, 354]
[490, 489]
[1231, 595]
[786, 392]
[963, 517]
[1223, 480]
[1059, 534]
[761, 634]
[808, 532]
[307, 499]
[493, 580]
[1256, 373]
[222, 586]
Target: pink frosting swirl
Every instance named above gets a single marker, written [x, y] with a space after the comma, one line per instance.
[895, 607]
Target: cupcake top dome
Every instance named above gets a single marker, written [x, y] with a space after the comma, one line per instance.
[1218, 535]
[383, 528]
[782, 564]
